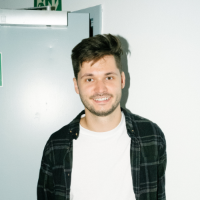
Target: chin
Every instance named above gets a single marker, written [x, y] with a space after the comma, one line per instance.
[102, 112]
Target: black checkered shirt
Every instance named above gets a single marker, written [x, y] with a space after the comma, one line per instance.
[148, 160]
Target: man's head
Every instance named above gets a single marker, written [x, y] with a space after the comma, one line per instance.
[98, 71]
[95, 48]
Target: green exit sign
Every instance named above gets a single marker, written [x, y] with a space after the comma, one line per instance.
[1, 75]
[56, 3]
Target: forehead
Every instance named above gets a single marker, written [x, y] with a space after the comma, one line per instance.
[105, 63]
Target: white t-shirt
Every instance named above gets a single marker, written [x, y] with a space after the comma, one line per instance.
[101, 165]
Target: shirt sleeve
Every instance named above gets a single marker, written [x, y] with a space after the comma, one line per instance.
[45, 187]
[162, 162]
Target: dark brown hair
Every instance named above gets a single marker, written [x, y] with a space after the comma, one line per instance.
[95, 48]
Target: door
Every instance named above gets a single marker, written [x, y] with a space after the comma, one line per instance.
[37, 98]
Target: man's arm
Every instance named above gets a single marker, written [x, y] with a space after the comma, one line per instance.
[45, 187]
[162, 156]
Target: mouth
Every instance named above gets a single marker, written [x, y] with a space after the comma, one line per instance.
[102, 99]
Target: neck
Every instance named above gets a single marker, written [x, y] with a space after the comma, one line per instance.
[101, 124]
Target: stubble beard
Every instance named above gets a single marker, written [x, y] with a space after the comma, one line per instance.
[101, 113]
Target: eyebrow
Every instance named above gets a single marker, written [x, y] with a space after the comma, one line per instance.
[110, 73]
[106, 74]
[87, 75]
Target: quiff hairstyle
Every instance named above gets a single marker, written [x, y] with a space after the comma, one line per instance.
[95, 48]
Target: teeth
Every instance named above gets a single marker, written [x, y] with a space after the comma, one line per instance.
[102, 99]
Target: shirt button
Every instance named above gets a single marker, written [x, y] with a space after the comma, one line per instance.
[68, 174]
[70, 131]
[76, 134]
[133, 130]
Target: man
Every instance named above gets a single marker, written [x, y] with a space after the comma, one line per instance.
[106, 152]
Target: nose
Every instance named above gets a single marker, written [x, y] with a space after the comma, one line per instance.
[100, 87]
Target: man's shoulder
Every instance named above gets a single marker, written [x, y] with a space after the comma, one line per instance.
[132, 117]
[143, 126]
[68, 131]
[137, 117]
[62, 133]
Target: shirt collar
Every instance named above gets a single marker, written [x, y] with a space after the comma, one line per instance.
[129, 118]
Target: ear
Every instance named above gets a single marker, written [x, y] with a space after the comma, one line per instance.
[76, 85]
[123, 80]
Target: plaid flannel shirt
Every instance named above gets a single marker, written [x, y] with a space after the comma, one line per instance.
[147, 158]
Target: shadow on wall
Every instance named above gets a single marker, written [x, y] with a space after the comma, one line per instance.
[126, 52]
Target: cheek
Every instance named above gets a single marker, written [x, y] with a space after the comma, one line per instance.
[86, 90]
[114, 87]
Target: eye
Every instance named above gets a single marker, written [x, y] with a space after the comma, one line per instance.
[109, 78]
[89, 79]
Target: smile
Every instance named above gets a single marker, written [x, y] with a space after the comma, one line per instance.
[102, 99]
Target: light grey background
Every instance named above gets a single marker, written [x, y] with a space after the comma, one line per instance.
[37, 98]
[162, 41]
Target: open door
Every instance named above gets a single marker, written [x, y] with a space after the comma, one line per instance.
[95, 19]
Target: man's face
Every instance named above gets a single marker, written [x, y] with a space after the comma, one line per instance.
[100, 86]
